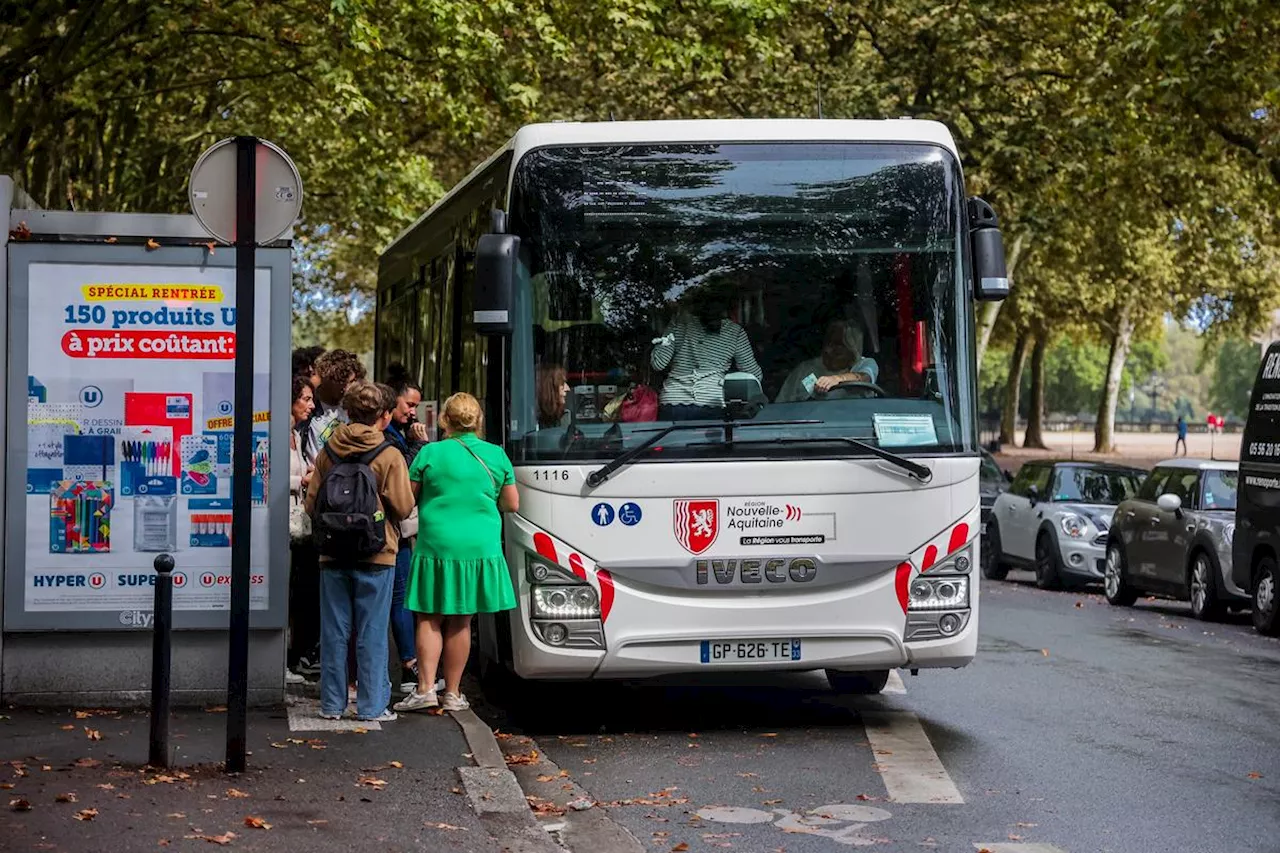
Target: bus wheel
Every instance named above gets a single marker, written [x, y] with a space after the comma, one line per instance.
[871, 681]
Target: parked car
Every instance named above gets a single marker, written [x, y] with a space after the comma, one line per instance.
[1054, 520]
[1174, 538]
[993, 481]
[1257, 538]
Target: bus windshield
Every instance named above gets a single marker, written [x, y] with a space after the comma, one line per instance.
[811, 291]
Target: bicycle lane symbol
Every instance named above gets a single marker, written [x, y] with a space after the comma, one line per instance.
[843, 823]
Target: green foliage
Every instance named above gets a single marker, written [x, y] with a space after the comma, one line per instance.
[1235, 367]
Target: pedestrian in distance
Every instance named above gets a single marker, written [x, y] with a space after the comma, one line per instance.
[360, 494]
[1182, 436]
[463, 484]
[409, 437]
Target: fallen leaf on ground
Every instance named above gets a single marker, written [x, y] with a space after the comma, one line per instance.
[588, 761]
[769, 734]
[316, 822]
[545, 778]
[543, 807]
[254, 822]
[86, 814]
[152, 244]
[1255, 775]
[1079, 604]
[397, 765]
[749, 775]
[83, 715]
[447, 826]
[235, 794]
[280, 745]
[218, 709]
[69, 797]
[693, 734]
[224, 838]
[370, 782]
[530, 757]
[770, 802]
[20, 805]
[1044, 652]
[92, 734]
[694, 745]
[1013, 837]
[178, 815]
[106, 786]
[680, 848]
[1022, 825]
[68, 728]
[88, 763]
[6, 786]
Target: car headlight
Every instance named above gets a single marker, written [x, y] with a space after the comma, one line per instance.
[1073, 525]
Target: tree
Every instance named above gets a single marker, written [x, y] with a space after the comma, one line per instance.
[1234, 369]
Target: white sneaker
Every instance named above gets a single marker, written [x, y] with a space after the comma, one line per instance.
[416, 701]
[387, 716]
[291, 677]
[454, 702]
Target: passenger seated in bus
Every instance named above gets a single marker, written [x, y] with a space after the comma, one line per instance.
[552, 388]
[841, 361]
[699, 347]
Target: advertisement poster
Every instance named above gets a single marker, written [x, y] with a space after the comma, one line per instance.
[129, 417]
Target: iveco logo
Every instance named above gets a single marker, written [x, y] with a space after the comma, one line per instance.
[771, 570]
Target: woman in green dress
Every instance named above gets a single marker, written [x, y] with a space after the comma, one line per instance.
[463, 484]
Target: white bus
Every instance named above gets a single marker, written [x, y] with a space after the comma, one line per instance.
[733, 365]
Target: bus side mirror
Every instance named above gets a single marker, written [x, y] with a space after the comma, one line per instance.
[495, 283]
[990, 278]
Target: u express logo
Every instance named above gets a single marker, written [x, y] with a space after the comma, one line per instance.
[209, 579]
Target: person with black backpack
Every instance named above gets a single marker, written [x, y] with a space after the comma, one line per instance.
[358, 496]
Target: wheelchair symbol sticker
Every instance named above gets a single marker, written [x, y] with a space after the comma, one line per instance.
[630, 514]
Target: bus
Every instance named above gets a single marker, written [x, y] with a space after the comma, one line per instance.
[1255, 543]
[733, 364]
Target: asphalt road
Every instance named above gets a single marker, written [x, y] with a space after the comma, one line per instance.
[1080, 728]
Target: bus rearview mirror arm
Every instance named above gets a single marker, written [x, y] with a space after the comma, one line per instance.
[990, 277]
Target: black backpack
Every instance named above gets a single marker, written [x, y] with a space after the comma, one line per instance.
[349, 521]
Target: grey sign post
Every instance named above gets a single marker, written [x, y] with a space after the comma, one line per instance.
[225, 198]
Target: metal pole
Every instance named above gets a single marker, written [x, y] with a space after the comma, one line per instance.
[242, 453]
[162, 621]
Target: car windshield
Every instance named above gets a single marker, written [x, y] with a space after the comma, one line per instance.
[1095, 486]
[1219, 490]
[818, 286]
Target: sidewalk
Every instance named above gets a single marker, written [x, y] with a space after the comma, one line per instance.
[74, 781]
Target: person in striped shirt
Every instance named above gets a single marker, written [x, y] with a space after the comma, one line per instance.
[700, 347]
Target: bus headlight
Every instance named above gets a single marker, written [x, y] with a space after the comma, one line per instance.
[560, 602]
[938, 593]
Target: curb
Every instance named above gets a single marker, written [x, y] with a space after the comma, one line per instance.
[495, 794]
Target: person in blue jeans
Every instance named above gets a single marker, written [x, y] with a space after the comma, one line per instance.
[357, 595]
[409, 437]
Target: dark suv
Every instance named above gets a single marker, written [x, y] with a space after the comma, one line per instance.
[1257, 539]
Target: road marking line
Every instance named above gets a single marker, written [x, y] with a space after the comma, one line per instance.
[304, 716]
[894, 684]
[908, 764]
[1006, 847]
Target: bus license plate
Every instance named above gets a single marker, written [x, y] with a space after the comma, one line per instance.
[735, 651]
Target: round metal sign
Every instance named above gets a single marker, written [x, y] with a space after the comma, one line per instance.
[212, 191]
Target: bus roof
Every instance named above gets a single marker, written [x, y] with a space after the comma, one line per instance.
[534, 136]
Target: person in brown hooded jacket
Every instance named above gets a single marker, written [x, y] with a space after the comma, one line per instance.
[361, 592]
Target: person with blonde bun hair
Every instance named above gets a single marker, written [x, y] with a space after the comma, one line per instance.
[463, 485]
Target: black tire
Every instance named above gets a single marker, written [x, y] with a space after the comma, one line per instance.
[1202, 587]
[860, 683]
[1266, 588]
[1117, 589]
[1048, 570]
[993, 566]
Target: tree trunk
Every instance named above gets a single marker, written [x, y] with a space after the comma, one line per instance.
[1035, 418]
[1121, 341]
[991, 310]
[1009, 415]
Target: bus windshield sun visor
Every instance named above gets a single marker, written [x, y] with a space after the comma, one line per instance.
[600, 475]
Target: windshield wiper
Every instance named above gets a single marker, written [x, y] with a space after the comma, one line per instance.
[915, 469]
[600, 475]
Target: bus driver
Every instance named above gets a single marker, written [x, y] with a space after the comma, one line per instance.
[841, 361]
[700, 346]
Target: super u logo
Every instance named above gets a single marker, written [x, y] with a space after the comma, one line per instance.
[91, 396]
